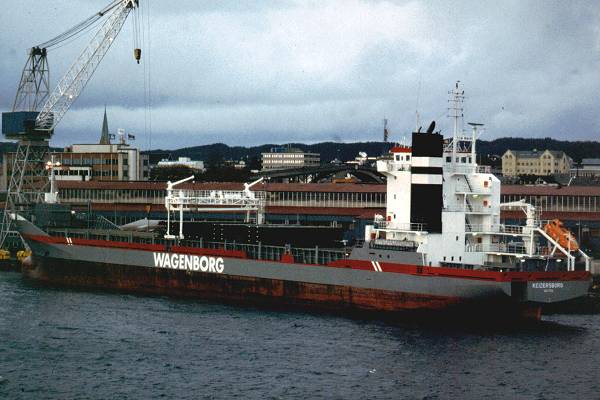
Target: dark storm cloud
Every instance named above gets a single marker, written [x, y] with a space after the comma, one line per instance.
[278, 71]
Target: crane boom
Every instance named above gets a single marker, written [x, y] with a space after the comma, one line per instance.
[80, 72]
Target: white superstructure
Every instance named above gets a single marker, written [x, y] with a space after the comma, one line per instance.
[471, 235]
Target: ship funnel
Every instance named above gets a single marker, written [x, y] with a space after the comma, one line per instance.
[426, 200]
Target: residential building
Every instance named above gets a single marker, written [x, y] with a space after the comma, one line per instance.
[542, 163]
[289, 157]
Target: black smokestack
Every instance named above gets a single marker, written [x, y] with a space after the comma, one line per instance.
[426, 187]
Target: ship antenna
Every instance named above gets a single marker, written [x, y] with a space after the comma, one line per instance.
[456, 112]
[418, 120]
[386, 133]
[417, 115]
[475, 135]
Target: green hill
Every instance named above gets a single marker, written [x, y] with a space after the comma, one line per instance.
[347, 151]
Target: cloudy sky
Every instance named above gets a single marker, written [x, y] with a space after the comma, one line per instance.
[278, 71]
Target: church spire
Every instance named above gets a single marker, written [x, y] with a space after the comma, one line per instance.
[105, 138]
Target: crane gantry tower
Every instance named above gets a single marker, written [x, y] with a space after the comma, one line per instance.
[32, 128]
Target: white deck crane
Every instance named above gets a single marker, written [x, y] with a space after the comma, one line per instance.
[210, 200]
[32, 128]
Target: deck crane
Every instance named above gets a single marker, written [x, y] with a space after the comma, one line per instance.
[32, 128]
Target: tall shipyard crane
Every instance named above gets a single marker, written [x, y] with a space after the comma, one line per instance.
[32, 128]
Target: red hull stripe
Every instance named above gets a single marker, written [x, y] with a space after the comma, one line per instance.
[374, 266]
[464, 273]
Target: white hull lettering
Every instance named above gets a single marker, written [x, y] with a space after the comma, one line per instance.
[189, 262]
[547, 285]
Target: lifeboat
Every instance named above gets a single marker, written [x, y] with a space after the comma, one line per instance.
[557, 231]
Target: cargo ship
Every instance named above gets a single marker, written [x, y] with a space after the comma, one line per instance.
[439, 251]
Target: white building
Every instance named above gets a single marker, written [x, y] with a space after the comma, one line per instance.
[288, 157]
[183, 161]
[590, 168]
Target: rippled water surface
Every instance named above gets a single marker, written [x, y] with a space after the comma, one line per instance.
[67, 344]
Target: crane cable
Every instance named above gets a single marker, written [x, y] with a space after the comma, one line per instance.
[146, 36]
[141, 28]
[80, 28]
[149, 77]
[143, 40]
[135, 21]
[75, 37]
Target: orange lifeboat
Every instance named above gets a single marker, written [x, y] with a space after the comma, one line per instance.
[557, 231]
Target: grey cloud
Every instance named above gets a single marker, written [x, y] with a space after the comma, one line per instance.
[307, 71]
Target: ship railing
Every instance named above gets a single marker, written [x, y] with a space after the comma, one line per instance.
[218, 198]
[467, 169]
[518, 249]
[390, 244]
[220, 194]
[390, 225]
[315, 255]
[498, 265]
[462, 187]
[468, 208]
[506, 248]
[112, 235]
[543, 222]
[496, 228]
[522, 265]
[392, 165]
